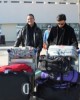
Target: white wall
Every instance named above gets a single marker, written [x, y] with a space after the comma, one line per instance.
[9, 30]
[12, 14]
[44, 13]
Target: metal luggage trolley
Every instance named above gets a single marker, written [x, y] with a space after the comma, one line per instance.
[4, 58]
[51, 67]
[23, 55]
[65, 51]
[26, 55]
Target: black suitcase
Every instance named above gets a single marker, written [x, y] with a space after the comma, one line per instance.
[2, 39]
[46, 92]
[15, 86]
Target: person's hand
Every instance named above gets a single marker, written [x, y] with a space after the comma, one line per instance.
[44, 45]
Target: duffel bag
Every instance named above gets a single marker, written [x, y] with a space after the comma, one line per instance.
[46, 91]
[16, 82]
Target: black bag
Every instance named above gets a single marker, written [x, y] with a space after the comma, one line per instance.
[49, 93]
[56, 64]
[46, 91]
[2, 39]
[15, 86]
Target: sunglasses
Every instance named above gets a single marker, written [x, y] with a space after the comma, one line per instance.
[61, 24]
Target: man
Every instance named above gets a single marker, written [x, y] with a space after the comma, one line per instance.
[62, 34]
[45, 36]
[30, 35]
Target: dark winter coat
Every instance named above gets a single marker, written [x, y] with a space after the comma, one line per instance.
[30, 36]
[62, 36]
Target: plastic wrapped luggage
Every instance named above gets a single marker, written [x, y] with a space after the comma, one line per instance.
[23, 55]
[69, 51]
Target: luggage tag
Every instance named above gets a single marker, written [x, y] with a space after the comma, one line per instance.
[8, 71]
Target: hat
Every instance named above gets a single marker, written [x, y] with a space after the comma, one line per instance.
[49, 26]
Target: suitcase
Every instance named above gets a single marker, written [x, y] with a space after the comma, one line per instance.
[69, 51]
[15, 86]
[46, 92]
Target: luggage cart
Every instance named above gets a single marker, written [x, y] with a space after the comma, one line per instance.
[20, 55]
[46, 90]
[23, 55]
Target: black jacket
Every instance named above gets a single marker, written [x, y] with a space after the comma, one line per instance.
[62, 36]
[30, 37]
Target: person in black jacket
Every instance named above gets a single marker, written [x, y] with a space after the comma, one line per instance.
[30, 35]
[62, 34]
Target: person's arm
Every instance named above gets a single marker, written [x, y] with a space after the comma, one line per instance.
[44, 40]
[73, 39]
[50, 37]
[44, 37]
[19, 39]
[40, 41]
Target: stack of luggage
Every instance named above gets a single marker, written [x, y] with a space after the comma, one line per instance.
[56, 77]
[17, 78]
[59, 79]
